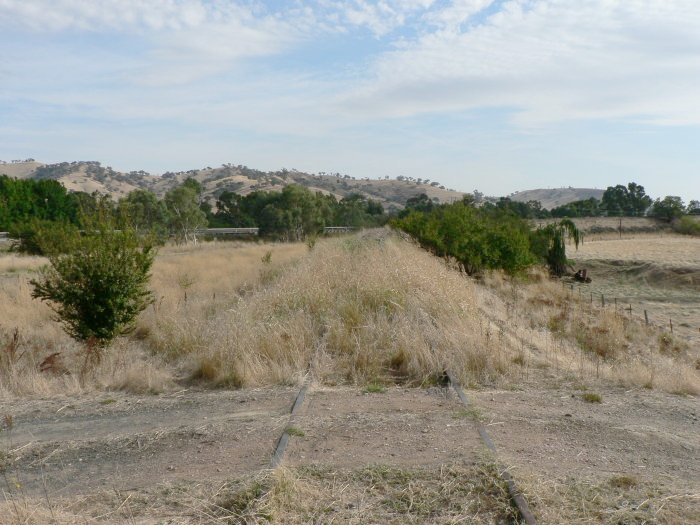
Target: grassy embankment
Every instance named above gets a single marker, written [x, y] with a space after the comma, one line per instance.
[376, 309]
[373, 307]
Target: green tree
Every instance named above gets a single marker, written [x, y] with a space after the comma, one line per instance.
[639, 201]
[668, 209]
[549, 244]
[184, 213]
[419, 202]
[620, 200]
[357, 211]
[97, 282]
[583, 208]
[144, 212]
[22, 200]
[230, 213]
[615, 200]
[478, 239]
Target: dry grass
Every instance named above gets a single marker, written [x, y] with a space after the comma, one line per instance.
[372, 309]
[369, 307]
[558, 328]
[666, 250]
[212, 275]
[658, 274]
[597, 228]
[620, 500]
[314, 494]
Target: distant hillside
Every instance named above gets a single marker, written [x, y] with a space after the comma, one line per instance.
[92, 176]
[551, 198]
[19, 169]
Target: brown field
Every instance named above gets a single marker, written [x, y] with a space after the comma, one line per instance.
[593, 412]
[603, 228]
[673, 251]
[659, 274]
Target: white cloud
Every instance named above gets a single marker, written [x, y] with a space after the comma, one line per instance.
[119, 15]
[456, 13]
[380, 17]
[550, 60]
[546, 60]
[176, 41]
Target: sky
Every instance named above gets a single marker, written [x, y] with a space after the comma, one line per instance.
[491, 95]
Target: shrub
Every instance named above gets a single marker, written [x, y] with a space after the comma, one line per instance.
[478, 239]
[97, 280]
[549, 244]
[37, 236]
[687, 225]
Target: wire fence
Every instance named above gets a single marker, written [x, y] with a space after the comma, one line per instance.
[633, 310]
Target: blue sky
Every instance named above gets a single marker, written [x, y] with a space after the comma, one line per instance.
[477, 94]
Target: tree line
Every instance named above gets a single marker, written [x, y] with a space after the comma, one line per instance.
[617, 201]
[292, 214]
[486, 237]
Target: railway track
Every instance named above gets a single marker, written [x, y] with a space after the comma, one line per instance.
[306, 392]
[62, 449]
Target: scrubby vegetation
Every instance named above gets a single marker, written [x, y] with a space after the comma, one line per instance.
[373, 309]
[98, 280]
[488, 238]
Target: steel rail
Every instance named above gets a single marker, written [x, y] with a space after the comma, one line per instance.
[283, 441]
[513, 491]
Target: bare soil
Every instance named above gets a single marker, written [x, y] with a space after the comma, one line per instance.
[404, 427]
[556, 433]
[373, 446]
[76, 446]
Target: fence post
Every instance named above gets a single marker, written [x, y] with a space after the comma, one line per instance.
[602, 300]
[670, 322]
[615, 303]
[646, 318]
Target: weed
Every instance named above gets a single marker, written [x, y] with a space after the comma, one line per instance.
[668, 344]
[623, 482]
[519, 359]
[470, 412]
[295, 431]
[557, 323]
[374, 388]
[591, 397]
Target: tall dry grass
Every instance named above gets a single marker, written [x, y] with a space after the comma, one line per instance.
[188, 282]
[369, 307]
[562, 329]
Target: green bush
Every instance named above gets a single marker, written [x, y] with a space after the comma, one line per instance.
[97, 280]
[478, 239]
[489, 238]
[26, 236]
[687, 225]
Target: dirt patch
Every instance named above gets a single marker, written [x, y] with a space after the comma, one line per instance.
[344, 427]
[633, 450]
[127, 442]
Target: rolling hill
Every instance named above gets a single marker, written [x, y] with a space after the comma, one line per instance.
[553, 197]
[91, 176]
